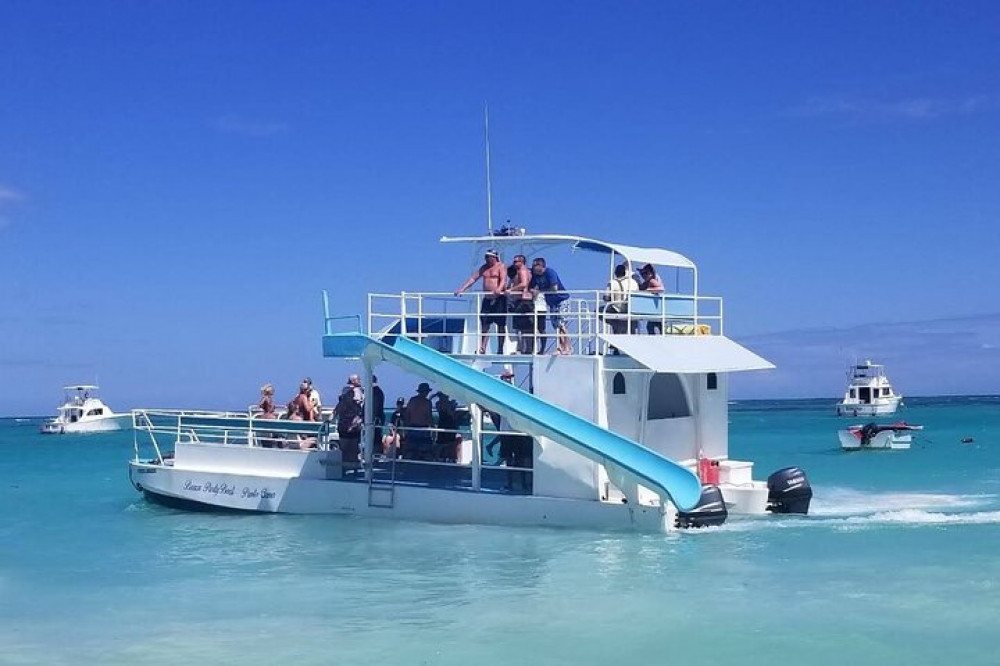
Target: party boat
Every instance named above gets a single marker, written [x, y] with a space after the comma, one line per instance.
[625, 427]
[84, 412]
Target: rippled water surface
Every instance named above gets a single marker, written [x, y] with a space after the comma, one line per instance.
[898, 563]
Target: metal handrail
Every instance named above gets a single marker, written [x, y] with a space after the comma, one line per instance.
[586, 315]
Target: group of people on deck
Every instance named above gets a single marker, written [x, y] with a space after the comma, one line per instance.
[412, 432]
[305, 406]
[619, 288]
[528, 296]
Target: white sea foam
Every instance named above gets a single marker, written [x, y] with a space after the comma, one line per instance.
[921, 517]
[849, 509]
[850, 502]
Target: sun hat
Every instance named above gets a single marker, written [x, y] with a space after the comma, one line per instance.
[424, 388]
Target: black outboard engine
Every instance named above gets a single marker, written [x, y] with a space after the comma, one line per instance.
[711, 510]
[788, 491]
[867, 432]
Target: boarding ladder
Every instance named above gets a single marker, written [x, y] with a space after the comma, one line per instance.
[381, 493]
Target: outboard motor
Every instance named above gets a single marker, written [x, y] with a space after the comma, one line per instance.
[711, 510]
[788, 491]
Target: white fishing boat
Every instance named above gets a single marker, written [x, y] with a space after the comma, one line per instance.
[878, 436]
[83, 412]
[869, 392]
[621, 429]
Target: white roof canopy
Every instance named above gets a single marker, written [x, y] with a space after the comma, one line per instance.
[80, 387]
[635, 255]
[688, 354]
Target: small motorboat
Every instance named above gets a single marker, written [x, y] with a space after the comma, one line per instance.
[84, 412]
[878, 436]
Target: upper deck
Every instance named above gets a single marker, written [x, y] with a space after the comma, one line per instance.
[466, 324]
[863, 373]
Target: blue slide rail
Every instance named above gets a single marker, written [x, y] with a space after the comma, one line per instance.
[647, 467]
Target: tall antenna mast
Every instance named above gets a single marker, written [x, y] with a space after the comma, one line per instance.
[489, 184]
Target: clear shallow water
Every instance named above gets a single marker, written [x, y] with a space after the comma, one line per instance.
[897, 564]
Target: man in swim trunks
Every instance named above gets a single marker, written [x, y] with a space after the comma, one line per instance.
[494, 308]
[545, 281]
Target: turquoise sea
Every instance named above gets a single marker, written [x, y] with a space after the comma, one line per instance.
[899, 563]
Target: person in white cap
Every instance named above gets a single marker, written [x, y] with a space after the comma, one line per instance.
[314, 398]
[494, 307]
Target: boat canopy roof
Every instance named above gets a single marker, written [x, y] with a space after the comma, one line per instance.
[688, 354]
[81, 387]
[635, 255]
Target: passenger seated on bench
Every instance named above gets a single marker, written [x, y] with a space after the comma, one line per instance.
[417, 417]
[650, 282]
[619, 288]
[392, 440]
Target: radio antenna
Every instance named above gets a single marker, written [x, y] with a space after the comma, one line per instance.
[489, 184]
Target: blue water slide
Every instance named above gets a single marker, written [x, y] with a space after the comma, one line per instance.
[638, 463]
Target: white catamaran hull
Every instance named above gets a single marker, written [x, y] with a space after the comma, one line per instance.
[289, 481]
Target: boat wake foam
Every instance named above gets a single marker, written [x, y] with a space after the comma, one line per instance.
[848, 509]
[922, 517]
[841, 502]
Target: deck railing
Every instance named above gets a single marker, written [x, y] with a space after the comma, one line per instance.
[457, 324]
[421, 455]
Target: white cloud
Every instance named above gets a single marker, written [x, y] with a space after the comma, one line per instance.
[960, 355]
[8, 197]
[234, 124]
[911, 108]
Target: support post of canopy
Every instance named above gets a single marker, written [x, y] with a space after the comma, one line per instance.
[476, 414]
[369, 429]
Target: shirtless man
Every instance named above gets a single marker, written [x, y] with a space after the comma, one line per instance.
[494, 309]
[521, 305]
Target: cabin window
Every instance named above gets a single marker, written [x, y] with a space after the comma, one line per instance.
[95, 412]
[713, 381]
[618, 384]
[854, 394]
[885, 391]
[667, 399]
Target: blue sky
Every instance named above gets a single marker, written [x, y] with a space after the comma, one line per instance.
[179, 180]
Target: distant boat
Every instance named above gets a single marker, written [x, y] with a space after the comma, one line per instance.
[84, 412]
[869, 392]
[876, 436]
